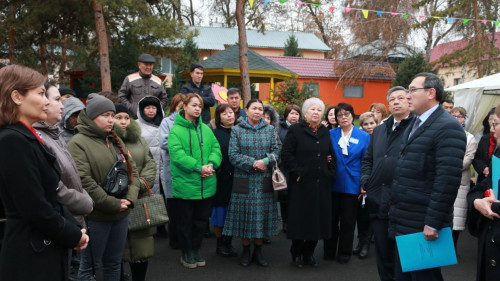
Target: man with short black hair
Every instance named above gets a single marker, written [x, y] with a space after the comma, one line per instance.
[428, 171]
[447, 105]
[234, 100]
[197, 86]
[141, 84]
[66, 92]
[377, 173]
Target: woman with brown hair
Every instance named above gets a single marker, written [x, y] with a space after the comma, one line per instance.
[38, 229]
[380, 111]
[95, 149]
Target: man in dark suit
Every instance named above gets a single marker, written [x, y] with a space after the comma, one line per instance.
[197, 86]
[377, 173]
[428, 172]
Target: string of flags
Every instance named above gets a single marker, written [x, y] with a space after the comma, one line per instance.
[366, 12]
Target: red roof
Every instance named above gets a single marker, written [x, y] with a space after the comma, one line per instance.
[447, 48]
[327, 68]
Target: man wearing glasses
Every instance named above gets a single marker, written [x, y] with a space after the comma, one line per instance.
[428, 171]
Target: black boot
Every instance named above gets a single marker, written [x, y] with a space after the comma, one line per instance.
[364, 250]
[221, 247]
[357, 250]
[138, 270]
[245, 256]
[257, 256]
[228, 240]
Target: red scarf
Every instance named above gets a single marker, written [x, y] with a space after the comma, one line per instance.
[493, 144]
[33, 131]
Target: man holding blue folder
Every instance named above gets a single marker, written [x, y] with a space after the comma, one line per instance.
[428, 172]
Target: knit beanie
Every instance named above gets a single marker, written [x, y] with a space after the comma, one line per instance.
[63, 90]
[119, 107]
[97, 105]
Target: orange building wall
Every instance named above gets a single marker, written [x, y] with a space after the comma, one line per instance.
[331, 92]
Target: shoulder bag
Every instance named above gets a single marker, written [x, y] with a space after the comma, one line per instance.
[279, 180]
[117, 179]
[148, 212]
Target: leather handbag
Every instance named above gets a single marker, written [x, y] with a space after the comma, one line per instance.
[149, 211]
[279, 180]
[117, 178]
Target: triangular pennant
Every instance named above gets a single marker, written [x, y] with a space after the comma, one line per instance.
[406, 16]
[316, 4]
[497, 23]
[421, 16]
[394, 14]
[379, 13]
[251, 3]
[331, 8]
[450, 20]
[365, 13]
[347, 10]
[300, 3]
[266, 2]
[436, 17]
[485, 21]
[465, 21]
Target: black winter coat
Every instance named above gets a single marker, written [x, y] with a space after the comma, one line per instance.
[378, 166]
[205, 91]
[487, 232]
[305, 155]
[482, 157]
[225, 171]
[39, 231]
[427, 175]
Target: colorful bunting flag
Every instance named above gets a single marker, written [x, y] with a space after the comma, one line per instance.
[300, 3]
[484, 21]
[465, 21]
[450, 20]
[379, 13]
[283, 1]
[365, 13]
[316, 4]
[251, 3]
[406, 16]
[437, 17]
[421, 16]
[347, 10]
[331, 8]
[497, 23]
[394, 14]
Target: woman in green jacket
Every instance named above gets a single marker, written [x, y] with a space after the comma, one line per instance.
[194, 156]
[93, 150]
[139, 246]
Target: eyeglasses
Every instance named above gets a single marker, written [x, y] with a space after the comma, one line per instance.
[342, 115]
[458, 116]
[495, 124]
[411, 91]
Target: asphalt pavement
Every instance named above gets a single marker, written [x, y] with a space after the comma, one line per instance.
[165, 264]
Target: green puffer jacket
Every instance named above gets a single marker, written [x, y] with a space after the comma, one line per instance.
[140, 243]
[94, 159]
[191, 148]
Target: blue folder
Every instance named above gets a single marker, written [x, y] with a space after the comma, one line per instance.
[495, 173]
[416, 253]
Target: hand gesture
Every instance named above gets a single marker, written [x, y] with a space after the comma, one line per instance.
[260, 166]
[484, 206]
[124, 204]
[430, 234]
[84, 241]
[207, 171]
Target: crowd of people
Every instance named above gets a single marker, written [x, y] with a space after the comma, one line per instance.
[405, 169]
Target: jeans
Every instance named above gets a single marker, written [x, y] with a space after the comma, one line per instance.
[105, 250]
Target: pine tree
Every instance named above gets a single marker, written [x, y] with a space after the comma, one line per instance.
[292, 47]
[289, 92]
[408, 68]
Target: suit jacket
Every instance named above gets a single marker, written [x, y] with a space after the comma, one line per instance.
[39, 230]
[349, 166]
[427, 175]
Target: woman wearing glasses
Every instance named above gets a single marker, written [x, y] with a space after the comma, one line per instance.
[349, 144]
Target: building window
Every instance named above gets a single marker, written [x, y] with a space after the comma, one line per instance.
[313, 88]
[456, 81]
[353, 91]
[167, 66]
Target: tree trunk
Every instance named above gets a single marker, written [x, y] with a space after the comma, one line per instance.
[43, 59]
[12, 42]
[242, 40]
[191, 11]
[62, 67]
[102, 39]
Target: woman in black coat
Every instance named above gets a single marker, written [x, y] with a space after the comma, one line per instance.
[310, 163]
[224, 121]
[484, 220]
[39, 230]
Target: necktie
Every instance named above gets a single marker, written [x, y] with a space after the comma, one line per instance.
[396, 124]
[415, 127]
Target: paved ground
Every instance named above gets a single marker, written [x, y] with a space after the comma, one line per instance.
[166, 266]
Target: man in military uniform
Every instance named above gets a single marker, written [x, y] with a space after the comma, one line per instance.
[197, 86]
[142, 84]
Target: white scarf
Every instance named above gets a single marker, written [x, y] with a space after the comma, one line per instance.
[344, 141]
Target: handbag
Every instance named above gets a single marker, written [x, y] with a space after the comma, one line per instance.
[117, 179]
[279, 180]
[149, 211]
